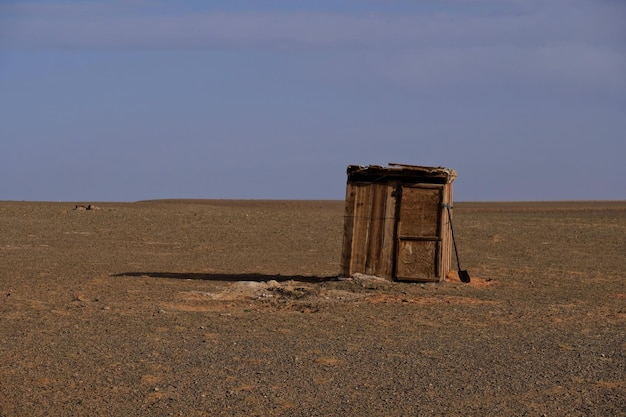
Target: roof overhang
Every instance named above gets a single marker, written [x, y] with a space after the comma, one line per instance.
[402, 172]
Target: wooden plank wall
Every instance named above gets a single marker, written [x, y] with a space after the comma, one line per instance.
[368, 241]
[369, 231]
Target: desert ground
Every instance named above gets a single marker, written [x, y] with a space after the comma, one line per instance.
[233, 308]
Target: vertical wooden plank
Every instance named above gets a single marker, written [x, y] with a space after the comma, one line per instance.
[446, 234]
[388, 249]
[362, 215]
[443, 226]
[374, 244]
[348, 227]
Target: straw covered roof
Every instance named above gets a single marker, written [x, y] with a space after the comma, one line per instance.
[408, 173]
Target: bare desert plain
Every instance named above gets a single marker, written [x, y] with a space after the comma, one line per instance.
[233, 308]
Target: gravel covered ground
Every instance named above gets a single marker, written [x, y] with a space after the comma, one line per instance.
[232, 308]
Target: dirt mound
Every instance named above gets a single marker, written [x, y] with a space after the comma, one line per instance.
[478, 282]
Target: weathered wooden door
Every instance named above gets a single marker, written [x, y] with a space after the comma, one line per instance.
[418, 239]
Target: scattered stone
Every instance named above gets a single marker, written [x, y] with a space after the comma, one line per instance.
[82, 207]
[251, 284]
[368, 277]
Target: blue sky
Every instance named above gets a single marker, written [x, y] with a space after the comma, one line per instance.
[130, 100]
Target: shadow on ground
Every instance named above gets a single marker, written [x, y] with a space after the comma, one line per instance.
[227, 277]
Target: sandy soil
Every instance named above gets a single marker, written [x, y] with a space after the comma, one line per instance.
[231, 308]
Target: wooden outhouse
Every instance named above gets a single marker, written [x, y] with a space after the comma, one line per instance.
[396, 222]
